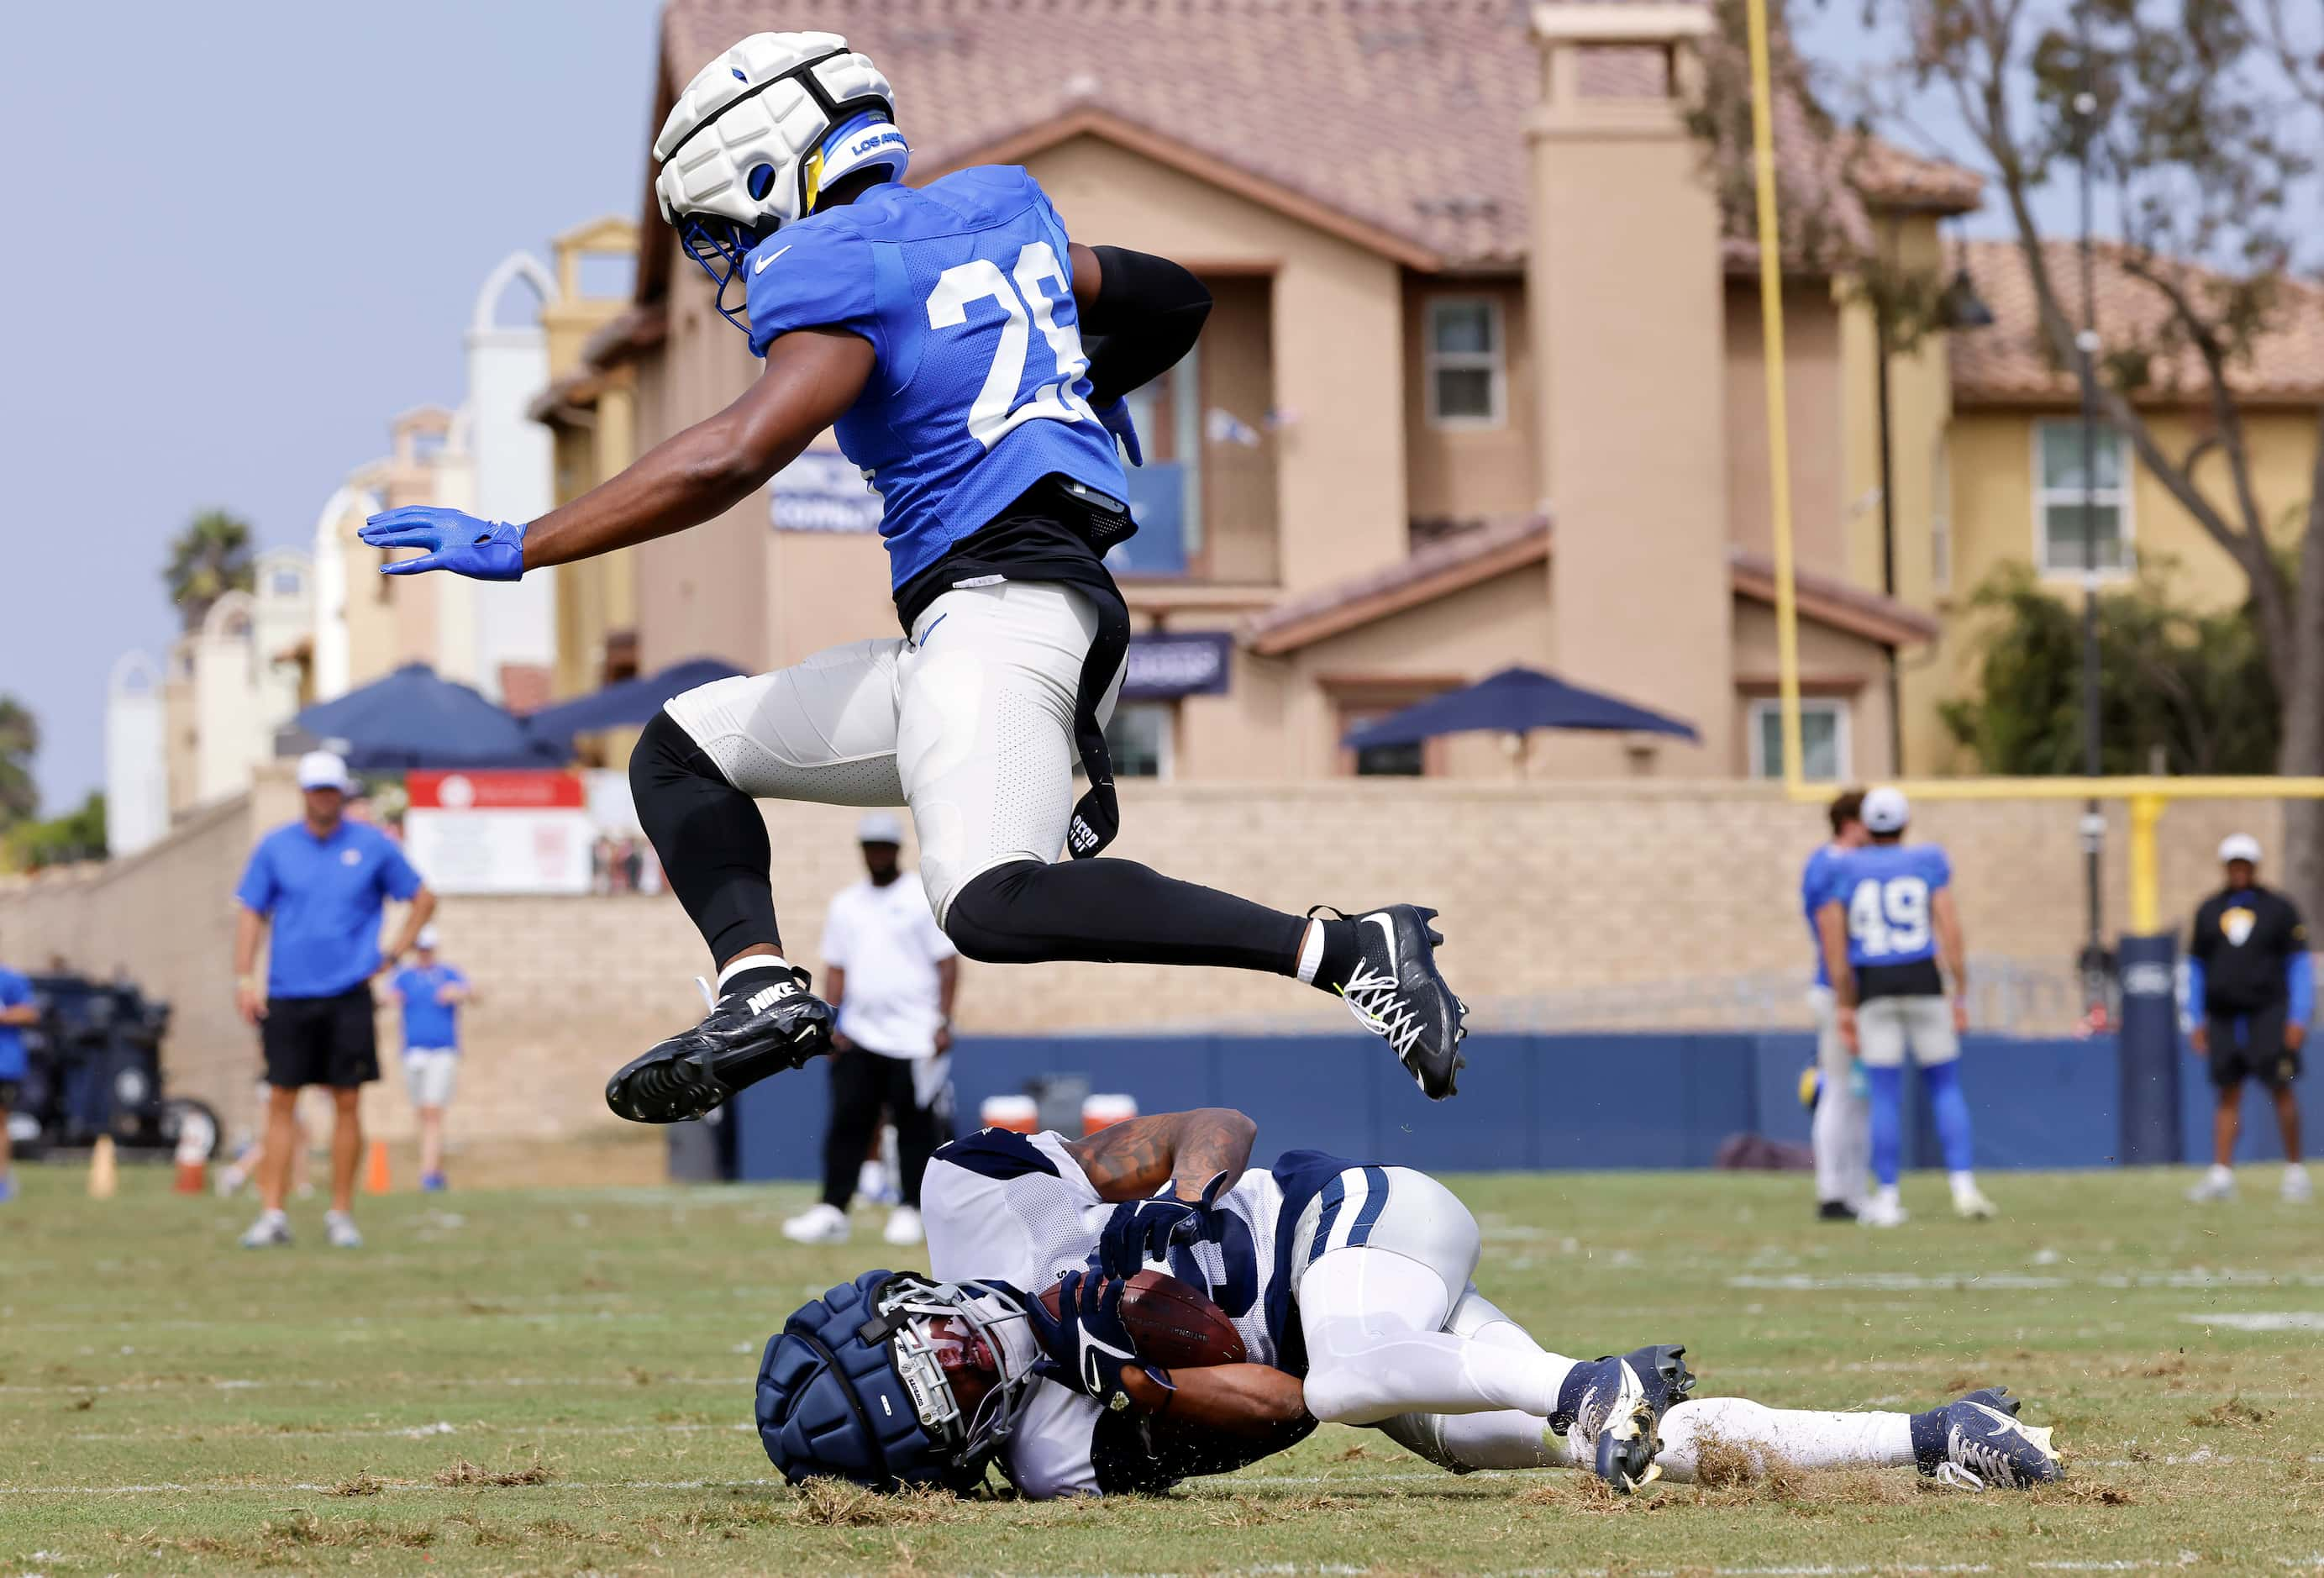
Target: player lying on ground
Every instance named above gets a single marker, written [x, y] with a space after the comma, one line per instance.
[939, 329]
[1349, 1289]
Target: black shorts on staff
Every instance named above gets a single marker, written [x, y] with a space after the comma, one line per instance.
[2250, 1046]
[321, 1040]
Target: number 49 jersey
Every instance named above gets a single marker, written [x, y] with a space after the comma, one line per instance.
[964, 287]
[1887, 892]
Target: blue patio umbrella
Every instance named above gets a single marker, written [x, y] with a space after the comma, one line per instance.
[414, 717]
[1515, 701]
[626, 702]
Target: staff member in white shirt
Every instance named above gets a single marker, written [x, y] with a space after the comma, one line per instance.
[891, 973]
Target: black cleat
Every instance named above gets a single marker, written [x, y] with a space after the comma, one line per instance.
[740, 1042]
[1398, 994]
[1835, 1211]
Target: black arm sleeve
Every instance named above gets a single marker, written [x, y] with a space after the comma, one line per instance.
[1147, 313]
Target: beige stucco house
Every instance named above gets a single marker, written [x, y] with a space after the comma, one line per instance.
[1483, 384]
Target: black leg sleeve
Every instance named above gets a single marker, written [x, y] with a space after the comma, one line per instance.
[711, 839]
[1116, 911]
[855, 1093]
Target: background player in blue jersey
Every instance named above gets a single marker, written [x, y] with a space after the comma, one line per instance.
[939, 330]
[1892, 938]
[1842, 1129]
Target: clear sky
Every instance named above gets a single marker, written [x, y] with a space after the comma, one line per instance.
[240, 237]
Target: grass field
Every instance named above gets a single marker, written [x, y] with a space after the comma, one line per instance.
[558, 1381]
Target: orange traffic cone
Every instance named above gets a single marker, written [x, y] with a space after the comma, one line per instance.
[104, 1173]
[375, 1181]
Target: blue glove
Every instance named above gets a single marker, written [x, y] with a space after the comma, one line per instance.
[1116, 418]
[483, 550]
[1140, 1232]
[1087, 1346]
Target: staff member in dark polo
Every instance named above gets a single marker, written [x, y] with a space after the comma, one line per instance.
[320, 883]
[2251, 991]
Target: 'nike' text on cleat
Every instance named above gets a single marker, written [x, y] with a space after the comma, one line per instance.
[738, 1042]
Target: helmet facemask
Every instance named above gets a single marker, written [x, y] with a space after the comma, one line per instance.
[945, 1339]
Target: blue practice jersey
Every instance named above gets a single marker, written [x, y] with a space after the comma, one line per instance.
[964, 290]
[1812, 898]
[1888, 890]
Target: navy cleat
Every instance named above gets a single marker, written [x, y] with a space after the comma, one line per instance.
[747, 1036]
[1663, 1371]
[1607, 1414]
[1396, 992]
[1979, 1443]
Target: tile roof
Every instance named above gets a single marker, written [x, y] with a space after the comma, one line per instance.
[1406, 116]
[1454, 563]
[2006, 364]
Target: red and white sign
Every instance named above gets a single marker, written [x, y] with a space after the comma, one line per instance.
[491, 832]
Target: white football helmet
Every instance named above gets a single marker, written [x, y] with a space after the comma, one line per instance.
[760, 134]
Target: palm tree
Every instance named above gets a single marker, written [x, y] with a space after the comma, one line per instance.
[20, 740]
[210, 558]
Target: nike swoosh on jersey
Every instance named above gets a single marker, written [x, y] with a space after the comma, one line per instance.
[761, 266]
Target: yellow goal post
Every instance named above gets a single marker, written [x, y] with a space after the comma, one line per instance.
[2149, 797]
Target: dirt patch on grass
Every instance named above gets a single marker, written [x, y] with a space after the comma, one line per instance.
[359, 1484]
[2234, 1414]
[837, 1504]
[282, 1539]
[464, 1473]
[1250, 1511]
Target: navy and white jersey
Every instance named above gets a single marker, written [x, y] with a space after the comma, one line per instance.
[1811, 900]
[964, 287]
[1888, 892]
[1019, 1209]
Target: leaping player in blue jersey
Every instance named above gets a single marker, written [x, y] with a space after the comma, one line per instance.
[938, 330]
[1888, 921]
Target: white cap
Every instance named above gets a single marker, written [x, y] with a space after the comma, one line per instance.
[880, 827]
[1886, 810]
[323, 770]
[426, 940]
[2239, 847]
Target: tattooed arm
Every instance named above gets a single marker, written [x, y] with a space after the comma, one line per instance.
[1130, 1160]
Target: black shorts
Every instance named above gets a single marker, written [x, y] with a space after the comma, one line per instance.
[2258, 1053]
[321, 1040]
[9, 1089]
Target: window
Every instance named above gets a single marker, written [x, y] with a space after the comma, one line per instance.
[1463, 355]
[1392, 761]
[1823, 738]
[1365, 701]
[1138, 738]
[2061, 536]
[286, 583]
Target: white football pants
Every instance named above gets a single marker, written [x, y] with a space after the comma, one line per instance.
[970, 721]
[1841, 1130]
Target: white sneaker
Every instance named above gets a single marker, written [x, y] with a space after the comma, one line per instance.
[339, 1228]
[871, 1184]
[2217, 1185]
[1970, 1204]
[2297, 1189]
[272, 1228]
[903, 1227]
[820, 1223]
[1882, 1211]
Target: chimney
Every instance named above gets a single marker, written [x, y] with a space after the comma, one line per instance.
[1626, 291]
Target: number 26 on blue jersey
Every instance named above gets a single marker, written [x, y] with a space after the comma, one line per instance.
[1889, 917]
[996, 411]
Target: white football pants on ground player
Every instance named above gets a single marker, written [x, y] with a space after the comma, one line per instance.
[1841, 1130]
[1398, 1336]
[970, 721]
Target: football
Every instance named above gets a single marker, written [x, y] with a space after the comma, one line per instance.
[1174, 1323]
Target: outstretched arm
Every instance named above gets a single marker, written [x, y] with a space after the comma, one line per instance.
[1131, 1159]
[812, 377]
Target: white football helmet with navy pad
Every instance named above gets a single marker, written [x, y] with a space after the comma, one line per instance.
[856, 1385]
[758, 136]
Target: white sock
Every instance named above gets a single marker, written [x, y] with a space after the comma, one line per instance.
[751, 962]
[1888, 1195]
[2295, 1167]
[2220, 1172]
[1964, 1184]
[1311, 952]
[1789, 1437]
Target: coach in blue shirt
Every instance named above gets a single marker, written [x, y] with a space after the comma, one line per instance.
[18, 1012]
[320, 883]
